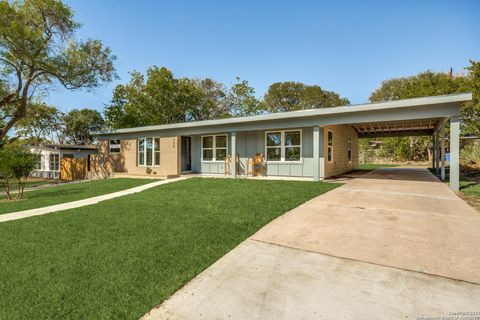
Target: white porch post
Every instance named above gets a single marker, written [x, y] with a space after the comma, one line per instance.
[437, 153]
[316, 160]
[442, 152]
[321, 152]
[318, 153]
[434, 148]
[455, 153]
[234, 153]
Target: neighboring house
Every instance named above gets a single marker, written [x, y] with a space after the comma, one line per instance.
[50, 156]
[315, 143]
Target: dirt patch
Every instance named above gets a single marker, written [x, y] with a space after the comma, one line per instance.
[473, 201]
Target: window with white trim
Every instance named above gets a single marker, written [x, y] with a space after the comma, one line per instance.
[148, 151]
[349, 149]
[330, 146]
[38, 161]
[283, 145]
[114, 146]
[54, 162]
[214, 147]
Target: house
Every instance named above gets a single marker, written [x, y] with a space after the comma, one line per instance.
[315, 143]
[50, 156]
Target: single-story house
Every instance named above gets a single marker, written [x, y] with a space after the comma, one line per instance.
[50, 156]
[314, 143]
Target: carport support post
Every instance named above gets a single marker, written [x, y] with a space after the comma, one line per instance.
[316, 160]
[455, 153]
[434, 148]
[437, 154]
[318, 153]
[442, 154]
[234, 153]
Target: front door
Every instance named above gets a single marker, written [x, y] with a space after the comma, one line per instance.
[186, 154]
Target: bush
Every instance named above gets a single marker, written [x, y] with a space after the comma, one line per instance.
[470, 155]
[16, 163]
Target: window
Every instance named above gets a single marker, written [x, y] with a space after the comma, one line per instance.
[114, 146]
[349, 148]
[156, 147]
[54, 162]
[283, 145]
[148, 151]
[38, 162]
[214, 148]
[330, 146]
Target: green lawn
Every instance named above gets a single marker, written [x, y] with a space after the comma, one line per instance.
[67, 192]
[120, 258]
[373, 166]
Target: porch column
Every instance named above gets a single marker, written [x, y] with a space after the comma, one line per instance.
[455, 153]
[437, 153]
[233, 142]
[442, 152]
[433, 151]
[318, 153]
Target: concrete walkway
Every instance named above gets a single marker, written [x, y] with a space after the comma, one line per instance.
[83, 202]
[395, 243]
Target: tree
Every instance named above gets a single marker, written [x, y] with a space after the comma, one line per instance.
[205, 99]
[38, 50]
[241, 99]
[291, 96]
[81, 124]
[426, 83]
[162, 99]
[41, 123]
[16, 163]
[471, 111]
[315, 97]
[283, 96]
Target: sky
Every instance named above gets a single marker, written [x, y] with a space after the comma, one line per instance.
[349, 47]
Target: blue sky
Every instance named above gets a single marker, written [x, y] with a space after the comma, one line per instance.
[345, 46]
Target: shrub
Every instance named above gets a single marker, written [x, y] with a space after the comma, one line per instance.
[470, 155]
[16, 163]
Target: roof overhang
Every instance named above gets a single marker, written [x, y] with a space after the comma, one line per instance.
[418, 109]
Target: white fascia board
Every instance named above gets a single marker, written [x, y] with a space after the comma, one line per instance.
[405, 103]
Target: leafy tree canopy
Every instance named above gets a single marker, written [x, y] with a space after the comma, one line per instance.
[80, 126]
[160, 98]
[241, 99]
[291, 96]
[38, 50]
[430, 83]
[41, 123]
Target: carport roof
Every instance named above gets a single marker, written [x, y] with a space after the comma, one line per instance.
[381, 106]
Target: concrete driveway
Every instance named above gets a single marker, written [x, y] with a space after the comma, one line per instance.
[394, 243]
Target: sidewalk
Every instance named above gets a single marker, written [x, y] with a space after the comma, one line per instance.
[83, 202]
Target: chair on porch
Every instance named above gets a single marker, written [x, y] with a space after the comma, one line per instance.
[256, 164]
[227, 165]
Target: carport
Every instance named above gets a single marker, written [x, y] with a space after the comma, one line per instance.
[418, 117]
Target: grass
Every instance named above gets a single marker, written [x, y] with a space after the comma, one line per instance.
[468, 180]
[120, 258]
[373, 166]
[66, 193]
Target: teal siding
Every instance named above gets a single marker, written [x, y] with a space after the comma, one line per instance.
[248, 144]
